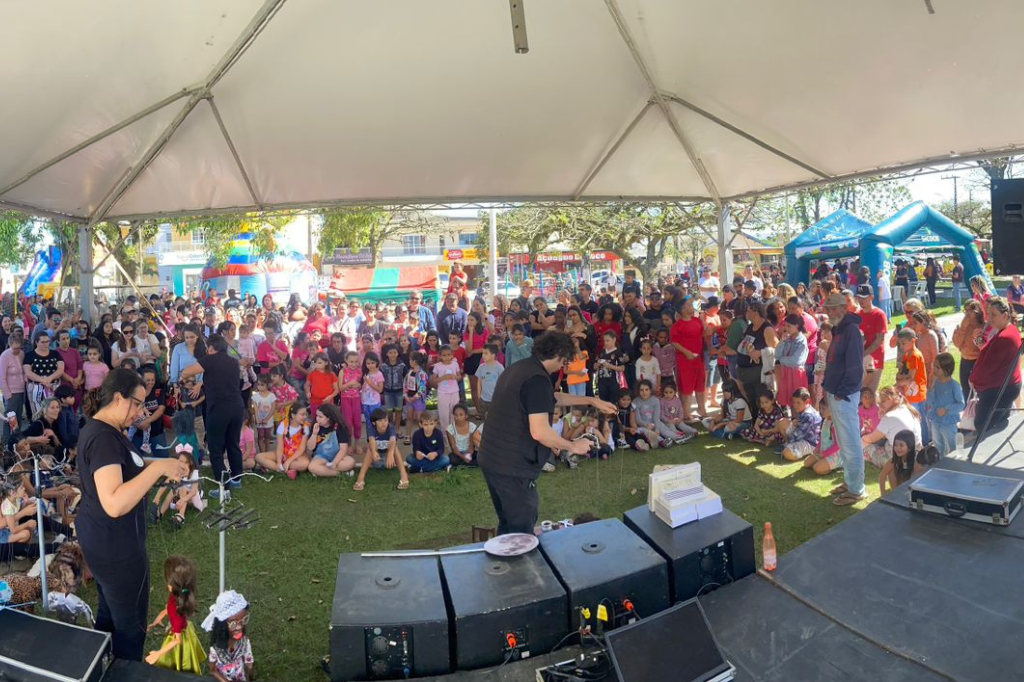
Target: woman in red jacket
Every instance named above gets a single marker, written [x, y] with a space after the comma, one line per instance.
[998, 355]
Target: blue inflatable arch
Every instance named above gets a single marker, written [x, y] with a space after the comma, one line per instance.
[878, 246]
[837, 235]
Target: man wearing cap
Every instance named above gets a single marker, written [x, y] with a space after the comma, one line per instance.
[652, 313]
[844, 376]
[874, 325]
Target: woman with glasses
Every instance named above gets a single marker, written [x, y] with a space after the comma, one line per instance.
[111, 520]
[43, 370]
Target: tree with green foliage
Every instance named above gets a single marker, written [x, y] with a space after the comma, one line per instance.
[19, 238]
[369, 228]
[221, 231]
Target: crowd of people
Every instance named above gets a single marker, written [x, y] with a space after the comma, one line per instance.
[342, 387]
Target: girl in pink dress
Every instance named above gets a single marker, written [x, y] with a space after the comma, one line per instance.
[791, 360]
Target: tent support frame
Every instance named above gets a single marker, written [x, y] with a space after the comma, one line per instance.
[661, 102]
[725, 268]
[744, 134]
[138, 116]
[607, 155]
[234, 153]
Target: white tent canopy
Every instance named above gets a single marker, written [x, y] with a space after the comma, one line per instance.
[305, 103]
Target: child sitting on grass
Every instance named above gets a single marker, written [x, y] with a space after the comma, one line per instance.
[648, 414]
[825, 457]
[672, 411]
[460, 437]
[765, 430]
[600, 431]
[427, 448]
[868, 411]
[625, 429]
[289, 457]
[804, 433]
[382, 452]
[900, 468]
[735, 415]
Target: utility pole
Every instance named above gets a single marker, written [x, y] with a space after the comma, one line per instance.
[956, 202]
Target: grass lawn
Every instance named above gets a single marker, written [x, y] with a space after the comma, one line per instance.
[938, 312]
[285, 565]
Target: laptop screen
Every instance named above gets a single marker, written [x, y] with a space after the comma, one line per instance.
[675, 645]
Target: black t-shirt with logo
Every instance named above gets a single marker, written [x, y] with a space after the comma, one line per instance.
[154, 400]
[615, 357]
[103, 537]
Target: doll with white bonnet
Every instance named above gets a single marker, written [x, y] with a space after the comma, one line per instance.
[230, 650]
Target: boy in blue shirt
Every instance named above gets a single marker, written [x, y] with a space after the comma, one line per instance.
[427, 447]
[488, 372]
[945, 404]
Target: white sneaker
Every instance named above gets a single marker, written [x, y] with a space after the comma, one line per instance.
[642, 446]
[548, 467]
[684, 439]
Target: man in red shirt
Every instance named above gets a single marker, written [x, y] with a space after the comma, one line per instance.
[687, 336]
[873, 326]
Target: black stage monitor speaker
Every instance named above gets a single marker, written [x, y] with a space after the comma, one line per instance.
[673, 645]
[388, 620]
[604, 560]
[1008, 226]
[133, 671]
[34, 649]
[503, 608]
[702, 555]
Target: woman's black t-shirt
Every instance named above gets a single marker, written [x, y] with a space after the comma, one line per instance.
[103, 537]
[42, 366]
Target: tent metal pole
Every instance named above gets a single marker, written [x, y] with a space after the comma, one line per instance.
[610, 152]
[662, 103]
[234, 153]
[96, 138]
[725, 268]
[493, 253]
[86, 271]
[745, 135]
[39, 212]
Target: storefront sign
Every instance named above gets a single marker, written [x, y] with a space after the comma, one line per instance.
[349, 257]
[461, 254]
[561, 257]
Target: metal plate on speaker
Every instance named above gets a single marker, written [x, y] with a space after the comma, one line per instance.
[593, 547]
[387, 580]
[497, 568]
[511, 544]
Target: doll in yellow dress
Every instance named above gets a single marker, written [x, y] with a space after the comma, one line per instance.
[181, 649]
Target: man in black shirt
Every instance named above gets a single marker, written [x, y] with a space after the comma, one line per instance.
[518, 436]
[225, 408]
[587, 304]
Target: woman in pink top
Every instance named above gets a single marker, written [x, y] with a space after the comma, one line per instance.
[73, 374]
[12, 380]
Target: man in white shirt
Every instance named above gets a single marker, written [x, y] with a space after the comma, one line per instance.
[752, 277]
[708, 283]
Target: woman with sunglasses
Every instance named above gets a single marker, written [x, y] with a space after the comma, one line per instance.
[111, 521]
[126, 348]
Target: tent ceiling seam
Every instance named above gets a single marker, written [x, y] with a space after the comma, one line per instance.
[607, 155]
[239, 46]
[35, 211]
[234, 154]
[745, 135]
[698, 164]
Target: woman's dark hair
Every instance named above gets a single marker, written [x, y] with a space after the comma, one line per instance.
[479, 328]
[117, 382]
[224, 327]
[200, 350]
[756, 307]
[217, 343]
[637, 319]
[375, 358]
[903, 467]
[552, 344]
[180, 574]
[338, 424]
